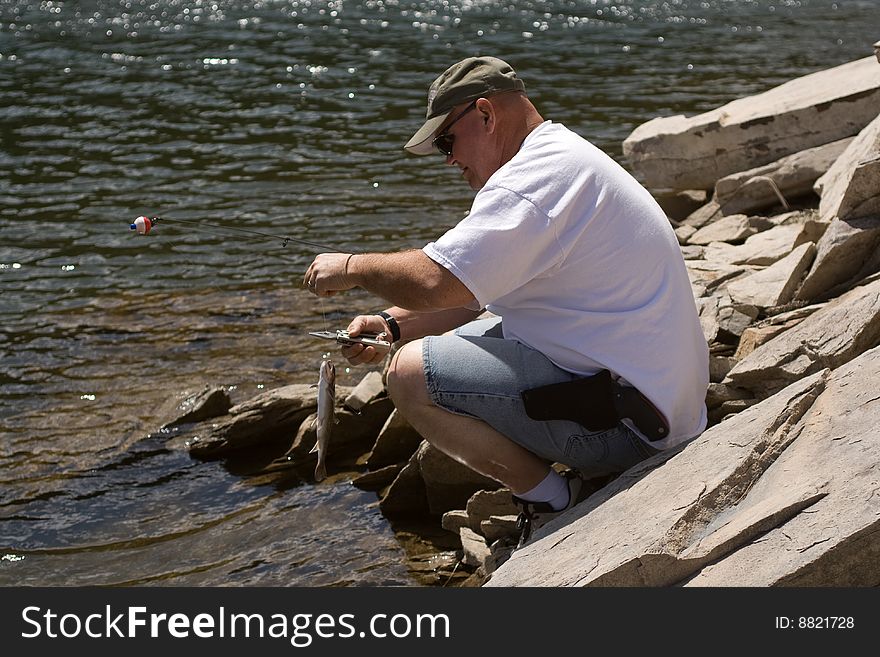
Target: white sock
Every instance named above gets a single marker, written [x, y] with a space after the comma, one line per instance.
[553, 490]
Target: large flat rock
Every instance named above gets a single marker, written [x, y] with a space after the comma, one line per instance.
[693, 153]
[783, 493]
[834, 542]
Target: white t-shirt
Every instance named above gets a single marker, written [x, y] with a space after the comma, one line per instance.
[583, 265]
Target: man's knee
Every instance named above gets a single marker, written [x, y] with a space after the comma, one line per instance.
[406, 378]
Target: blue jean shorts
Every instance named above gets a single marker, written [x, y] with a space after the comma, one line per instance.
[477, 373]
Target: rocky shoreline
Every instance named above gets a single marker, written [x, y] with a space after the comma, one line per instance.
[775, 200]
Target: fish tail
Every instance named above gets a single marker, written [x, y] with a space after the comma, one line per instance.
[320, 471]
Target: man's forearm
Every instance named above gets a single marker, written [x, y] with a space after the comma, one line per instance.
[414, 324]
[410, 280]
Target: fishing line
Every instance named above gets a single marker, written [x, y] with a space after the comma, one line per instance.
[143, 225]
[324, 314]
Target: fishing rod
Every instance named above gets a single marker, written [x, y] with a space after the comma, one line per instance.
[143, 225]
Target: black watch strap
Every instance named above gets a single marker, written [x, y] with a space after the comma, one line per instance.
[392, 324]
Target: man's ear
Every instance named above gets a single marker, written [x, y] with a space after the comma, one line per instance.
[487, 113]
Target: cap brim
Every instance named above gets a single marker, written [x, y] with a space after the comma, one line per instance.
[420, 144]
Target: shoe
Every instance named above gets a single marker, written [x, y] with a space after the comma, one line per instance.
[536, 514]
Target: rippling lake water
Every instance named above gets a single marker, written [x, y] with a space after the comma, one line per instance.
[286, 117]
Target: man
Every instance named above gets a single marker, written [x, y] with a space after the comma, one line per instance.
[584, 273]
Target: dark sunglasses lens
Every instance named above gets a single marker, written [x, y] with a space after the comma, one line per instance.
[444, 144]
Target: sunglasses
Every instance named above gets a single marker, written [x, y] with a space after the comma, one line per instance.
[444, 141]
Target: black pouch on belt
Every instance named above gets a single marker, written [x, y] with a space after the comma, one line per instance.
[597, 403]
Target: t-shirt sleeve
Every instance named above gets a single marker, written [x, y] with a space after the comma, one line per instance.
[502, 244]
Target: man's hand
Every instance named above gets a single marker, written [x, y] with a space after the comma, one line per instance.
[360, 354]
[328, 274]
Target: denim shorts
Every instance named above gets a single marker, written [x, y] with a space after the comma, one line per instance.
[477, 373]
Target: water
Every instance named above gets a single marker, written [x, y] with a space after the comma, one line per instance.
[282, 116]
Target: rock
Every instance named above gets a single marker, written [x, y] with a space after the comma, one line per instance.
[369, 389]
[833, 542]
[692, 153]
[443, 484]
[406, 496]
[476, 551]
[397, 441]
[478, 554]
[352, 434]
[500, 551]
[792, 176]
[485, 503]
[733, 318]
[733, 228]
[703, 215]
[303, 441]
[733, 406]
[753, 337]
[722, 252]
[722, 319]
[830, 337]
[448, 484]
[801, 216]
[718, 393]
[756, 335]
[498, 527]
[721, 349]
[377, 479]
[777, 284]
[708, 309]
[266, 417]
[684, 233]
[768, 246]
[703, 273]
[845, 253]
[211, 402]
[851, 187]
[692, 252]
[793, 315]
[719, 366]
[679, 204]
[453, 521]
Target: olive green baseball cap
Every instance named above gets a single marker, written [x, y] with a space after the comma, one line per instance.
[469, 79]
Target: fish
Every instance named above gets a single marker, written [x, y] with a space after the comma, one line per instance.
[325, 419]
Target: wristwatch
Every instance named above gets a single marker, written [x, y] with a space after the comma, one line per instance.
[392, 325]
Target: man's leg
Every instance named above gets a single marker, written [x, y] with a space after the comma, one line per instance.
[468, 440]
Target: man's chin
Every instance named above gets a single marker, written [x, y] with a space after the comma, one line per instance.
[471, 179]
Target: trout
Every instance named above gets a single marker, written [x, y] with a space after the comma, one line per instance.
[324, 421]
